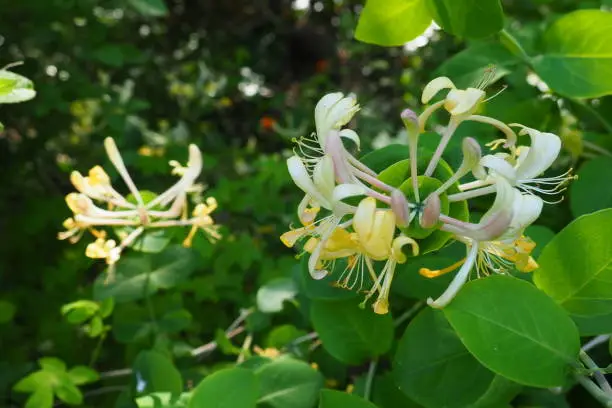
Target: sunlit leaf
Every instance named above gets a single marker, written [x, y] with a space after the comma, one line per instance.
[468, 18]
[507, 324]
[288, 383]
[576, 265]
[220, 389]
[392, 22]
[578, 54]
[339, 399]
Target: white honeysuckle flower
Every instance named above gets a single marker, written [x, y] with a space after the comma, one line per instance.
[320, 191]
[458, 102]
[497, 251]
[332, 112]
[462, 105]
[523, 170]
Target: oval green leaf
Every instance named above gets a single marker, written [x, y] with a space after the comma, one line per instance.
[219, 390]
[349, 333]
[272, 295]
[288, 383]
[576, 265]
[154, 372]
[433, 367]
[578, 54]
[515, 330]
[468, 18]
[339, 399]
[392, 22]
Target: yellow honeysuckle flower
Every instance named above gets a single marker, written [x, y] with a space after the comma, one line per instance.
[167, 209]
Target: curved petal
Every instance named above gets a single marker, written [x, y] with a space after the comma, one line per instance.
[458, 281]
[500, 167]
[435, 86]
[363, 220]
[398, 243]
[342, 191]
[461, 102]
[545, 148]
[300, 177]
[323, 176]
[526, 209]
[313, 261]
[351, 135]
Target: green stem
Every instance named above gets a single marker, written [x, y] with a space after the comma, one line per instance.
[512, 45]
[409, 313]
[96, 353]
[595, 391]
[370, 379]
[597, 374]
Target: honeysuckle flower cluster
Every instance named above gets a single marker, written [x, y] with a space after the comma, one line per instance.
[356, 217]
[97, 204]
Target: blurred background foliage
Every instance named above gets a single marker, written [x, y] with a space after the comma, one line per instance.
[240, 80]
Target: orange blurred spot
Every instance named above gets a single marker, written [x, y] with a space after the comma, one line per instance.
[267, 122]
[321, 65]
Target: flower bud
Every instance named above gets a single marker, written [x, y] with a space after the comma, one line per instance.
[399, 205]
[431, 211]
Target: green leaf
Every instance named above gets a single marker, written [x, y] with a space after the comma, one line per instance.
[380, 159]
[52, 364]
[15, 88]
[139, 276]
[392, 22]
[272, 295]
[593, 189]
[468, 67]
[220, 390]
[429, 361]
[515, 330]
[80, 375]
[174, 321]
[163, 400]
[288, 383]
[42, 398]
[131, 323]
[578, 54]
[350, 333]
[69, 393]
[593, 325]
[7, 311]
[35, 381]
[150, 8]
[155, 373]
[576, 265]
[339, 399]
[468, 18]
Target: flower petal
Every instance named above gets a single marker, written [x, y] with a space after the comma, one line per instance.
[461, 102]
[500, 167]
[300, 177]
[435, 86]
[351, 135]
[363, 220]
[545, 148]
[323, 176]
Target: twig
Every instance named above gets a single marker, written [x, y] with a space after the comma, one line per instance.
[370, 379]
[246, 345]
[210, 346]
[122, 372]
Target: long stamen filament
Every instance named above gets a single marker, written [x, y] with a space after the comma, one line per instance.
[448, 133]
